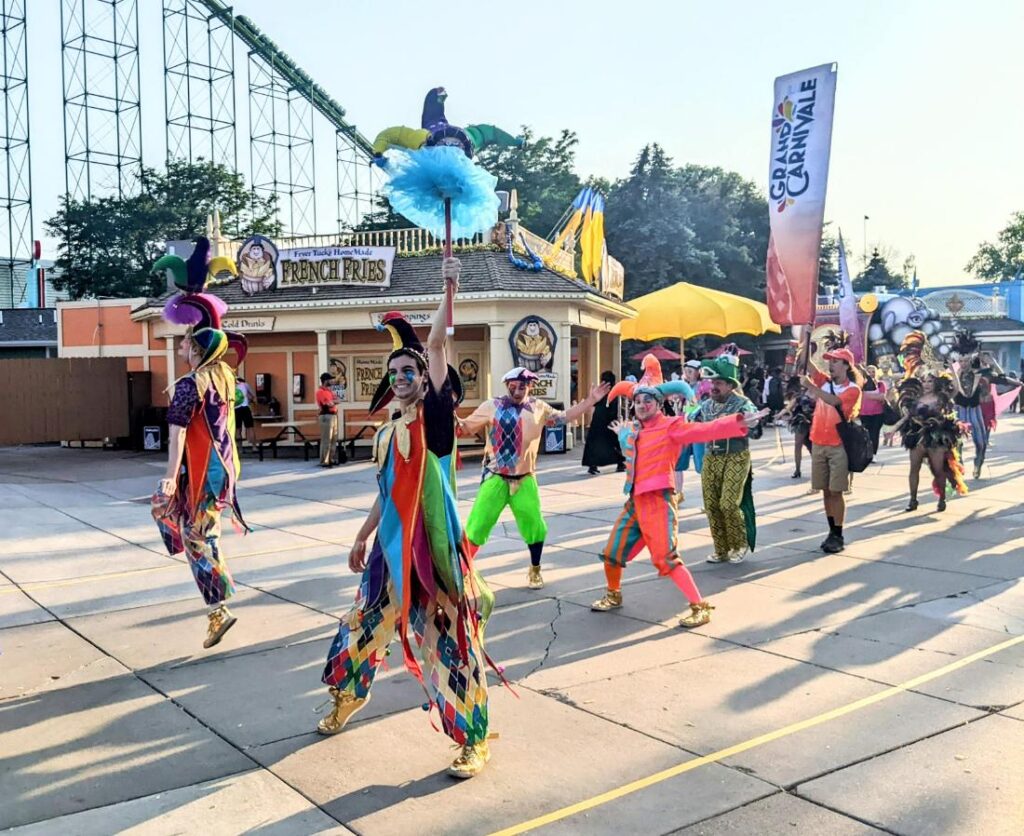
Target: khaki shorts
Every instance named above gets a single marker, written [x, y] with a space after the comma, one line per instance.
[829, 468]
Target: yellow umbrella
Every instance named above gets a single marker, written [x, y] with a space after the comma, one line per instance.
[685, 310]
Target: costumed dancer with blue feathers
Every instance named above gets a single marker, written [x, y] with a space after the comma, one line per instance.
[418, 577]
[202, 464]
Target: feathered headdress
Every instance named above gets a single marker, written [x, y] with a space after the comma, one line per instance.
[404, 340]
[199, 310]
[833, 340]
[916, 353]
[964, 342]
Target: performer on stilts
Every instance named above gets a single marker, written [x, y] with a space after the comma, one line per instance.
[651, 445]
[202, 464]
[727, 474]
[418, 578]
[514, 425]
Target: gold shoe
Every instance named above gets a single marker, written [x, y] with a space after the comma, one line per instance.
[221, 620]
[535, 580]
[471, 760]
[345, 707]
[736, 555]
[612, 601]
[700, 614]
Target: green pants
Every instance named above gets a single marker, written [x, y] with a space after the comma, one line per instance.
[723, 478]
[497, 492]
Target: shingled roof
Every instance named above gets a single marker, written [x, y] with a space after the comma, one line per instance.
[28, 326]
[482, 272]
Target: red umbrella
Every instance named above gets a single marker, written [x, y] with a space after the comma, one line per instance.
[658, 351]
[718, 352]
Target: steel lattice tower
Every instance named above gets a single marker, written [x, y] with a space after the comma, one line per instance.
[100, 67]
[358, 182]
[199, 83]
[16, 189]
[281, 145]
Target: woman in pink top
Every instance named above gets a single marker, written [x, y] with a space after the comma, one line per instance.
[872, 403]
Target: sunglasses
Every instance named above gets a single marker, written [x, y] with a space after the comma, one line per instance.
[408, 375]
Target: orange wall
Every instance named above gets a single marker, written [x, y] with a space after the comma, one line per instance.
[100, 326]
[304, 363]
[281, 340]
[158, 368]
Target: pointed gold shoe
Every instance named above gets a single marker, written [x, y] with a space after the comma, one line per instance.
[612, 601]
[471, 760]
[535, 580]
[700, 614]
[345, 707]
[221, 620]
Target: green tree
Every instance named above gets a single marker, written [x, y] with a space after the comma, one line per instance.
[878, 273]
[698, 224]
[1003, 260]
[542, 170]
[828, 258]
[107, 245]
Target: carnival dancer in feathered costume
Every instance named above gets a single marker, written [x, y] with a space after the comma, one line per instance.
[651, 444]
[417, 580]
[929, 426]
[973, 373]
[203, 465]
[513, 426]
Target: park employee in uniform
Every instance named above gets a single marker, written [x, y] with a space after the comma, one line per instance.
[328, 406]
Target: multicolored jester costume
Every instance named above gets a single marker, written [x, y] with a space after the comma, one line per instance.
[418, 578]
[649, 518]
[727, 474]
[201, 419]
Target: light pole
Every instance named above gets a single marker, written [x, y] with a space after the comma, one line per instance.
[866, 219]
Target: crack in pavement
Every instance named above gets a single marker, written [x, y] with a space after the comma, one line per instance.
[551, 642]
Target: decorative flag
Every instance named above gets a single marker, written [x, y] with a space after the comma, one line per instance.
[798, 175]
[849, 312]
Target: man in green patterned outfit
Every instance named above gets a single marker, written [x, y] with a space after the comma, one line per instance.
[727, 473]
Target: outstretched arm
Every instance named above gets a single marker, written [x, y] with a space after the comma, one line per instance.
[437, 361]
[577, 410]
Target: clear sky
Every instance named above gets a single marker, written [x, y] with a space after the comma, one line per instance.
[929, 122]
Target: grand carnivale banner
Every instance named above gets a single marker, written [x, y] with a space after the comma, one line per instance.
[797, 178]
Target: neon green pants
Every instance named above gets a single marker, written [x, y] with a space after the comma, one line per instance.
[495, 494]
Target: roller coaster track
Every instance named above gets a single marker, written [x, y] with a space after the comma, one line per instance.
[281, 63]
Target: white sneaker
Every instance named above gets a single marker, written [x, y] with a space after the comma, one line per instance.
[736, 555]
[717, 558]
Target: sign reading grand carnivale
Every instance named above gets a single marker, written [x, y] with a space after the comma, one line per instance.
[360, 266]
[798, 176]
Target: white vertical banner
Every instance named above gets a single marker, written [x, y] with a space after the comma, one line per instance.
[797, 180]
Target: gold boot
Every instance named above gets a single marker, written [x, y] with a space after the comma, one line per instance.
[345, 707]
[471, 760]
[535, 580]
[221, 620]
[612, 601]
[700, 614]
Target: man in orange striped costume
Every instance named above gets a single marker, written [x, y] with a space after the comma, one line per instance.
[651, 445]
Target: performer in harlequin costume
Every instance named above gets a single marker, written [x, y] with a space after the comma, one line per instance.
[651, 445]
[727, 473]
[203, 465]
[513, 426]
[417, 580]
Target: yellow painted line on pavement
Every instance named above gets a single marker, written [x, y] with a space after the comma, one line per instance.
[29, 587]
[752, 743]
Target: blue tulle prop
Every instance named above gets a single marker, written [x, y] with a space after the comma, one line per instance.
[419, 181]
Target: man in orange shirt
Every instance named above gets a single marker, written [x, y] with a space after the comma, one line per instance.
[830, 472]
[328, 406]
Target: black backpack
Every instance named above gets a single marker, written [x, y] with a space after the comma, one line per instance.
[856, 441]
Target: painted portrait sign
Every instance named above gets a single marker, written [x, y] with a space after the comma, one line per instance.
[533, 342]
[338, 370]
[257, 264]
[469, 374]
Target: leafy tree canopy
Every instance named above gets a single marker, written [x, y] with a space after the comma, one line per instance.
[1003, 260]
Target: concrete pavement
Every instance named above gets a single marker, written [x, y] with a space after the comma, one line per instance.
[114, 719]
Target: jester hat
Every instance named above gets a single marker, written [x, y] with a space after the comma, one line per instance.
[199, 310]
[724, 368]
[651, 376]
[405, 342]
[668, 389]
